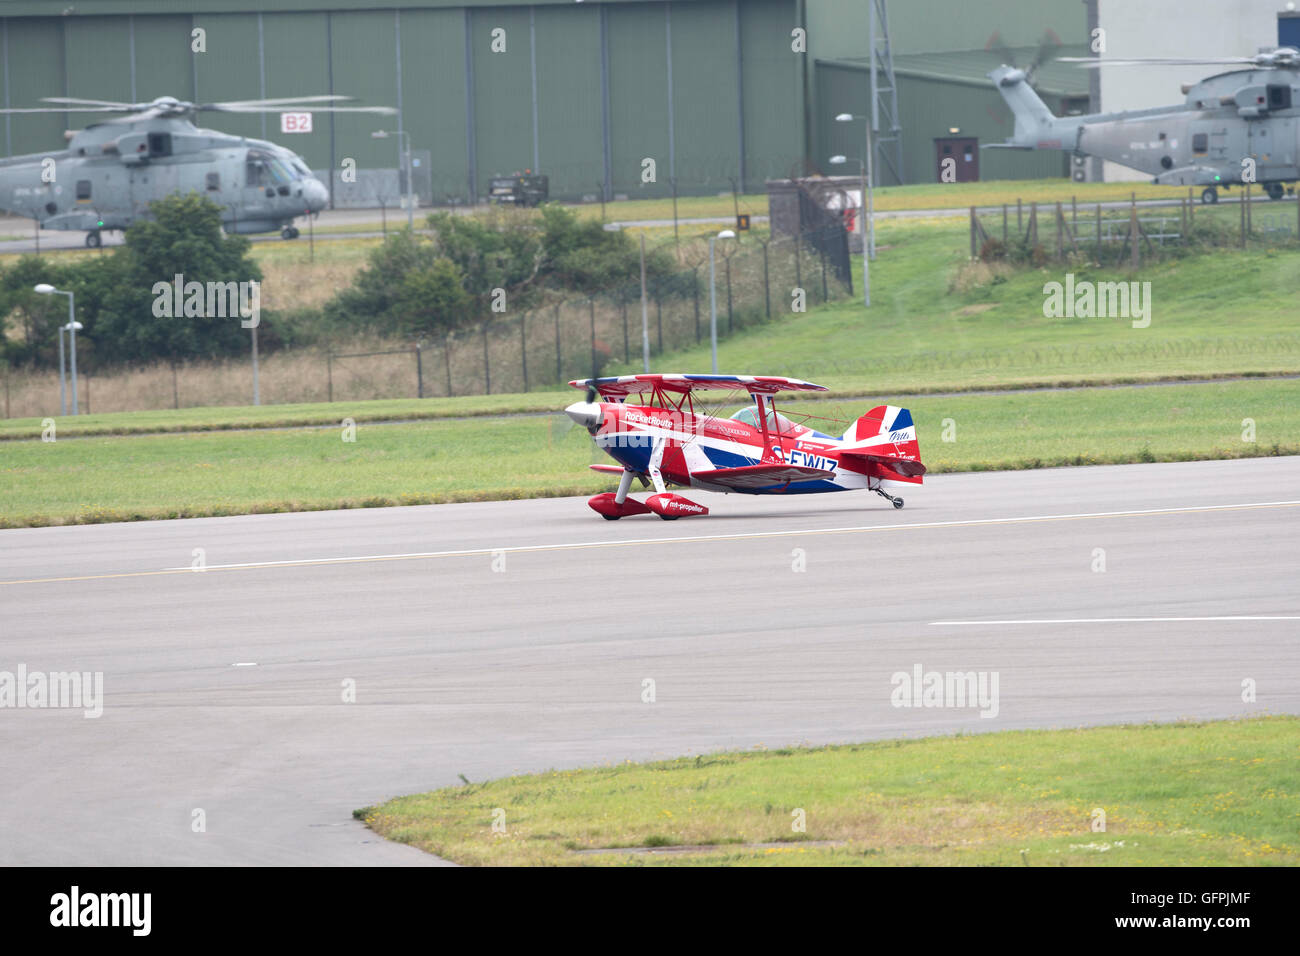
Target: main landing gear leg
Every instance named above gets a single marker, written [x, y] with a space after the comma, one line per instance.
[620, 496]
[624, 486]
[892, 499]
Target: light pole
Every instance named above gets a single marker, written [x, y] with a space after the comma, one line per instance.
[866, 259]
[410, 184]
[73, 325]
[870, 198]
[713, 296]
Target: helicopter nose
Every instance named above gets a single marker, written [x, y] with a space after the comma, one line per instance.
[316, 195]
[586, 414]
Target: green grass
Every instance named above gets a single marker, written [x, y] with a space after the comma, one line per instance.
[1225, 793]
[1222, 315]
[93, 479]
[219, 418]
[896, 198]
[955, 196]
[938, 323]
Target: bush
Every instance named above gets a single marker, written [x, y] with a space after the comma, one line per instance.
[414, 286]
[115, 295]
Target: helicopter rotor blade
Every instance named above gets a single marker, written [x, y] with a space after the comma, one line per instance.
[169, 106]
[282, 101]
[1049, 42]
[1091, 62]
[998, 47]
[64, 109]
[77, 101]
[382, 110]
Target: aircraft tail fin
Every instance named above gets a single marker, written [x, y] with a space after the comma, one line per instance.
[1034, 121]
[885, 438]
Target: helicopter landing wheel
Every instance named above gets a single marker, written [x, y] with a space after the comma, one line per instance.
[295, 231]
[1275, 190]
[898, 502]
[93, 239]
[611, 517]
[1209, 196]
[288, 232]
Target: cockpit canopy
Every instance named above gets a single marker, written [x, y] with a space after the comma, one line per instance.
[776, 422]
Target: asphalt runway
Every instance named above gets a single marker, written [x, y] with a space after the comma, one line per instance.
[486, 639]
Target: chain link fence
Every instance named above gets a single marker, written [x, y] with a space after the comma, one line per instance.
[756, 280]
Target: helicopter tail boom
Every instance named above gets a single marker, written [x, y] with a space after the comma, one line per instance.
[1036, 127]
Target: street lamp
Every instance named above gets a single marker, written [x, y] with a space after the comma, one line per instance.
[870, 198]
[866, 259]
[71, 328]
[410, 202]
[713, 296]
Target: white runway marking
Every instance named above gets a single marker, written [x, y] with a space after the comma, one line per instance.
[518, 549]
[1124, 620]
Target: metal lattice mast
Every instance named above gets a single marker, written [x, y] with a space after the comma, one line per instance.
[884, 93]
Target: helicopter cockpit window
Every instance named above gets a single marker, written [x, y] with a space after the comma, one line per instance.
[253, 173]
[160, 144]
[280, 174]
[302, 170]
[214, 182]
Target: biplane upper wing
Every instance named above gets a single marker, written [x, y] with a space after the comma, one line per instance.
[622, 385]
[760, 476]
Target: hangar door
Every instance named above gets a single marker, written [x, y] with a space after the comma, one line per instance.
[964, 152]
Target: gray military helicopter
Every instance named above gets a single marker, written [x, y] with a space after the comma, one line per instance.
[1234, 127]
[111, 171]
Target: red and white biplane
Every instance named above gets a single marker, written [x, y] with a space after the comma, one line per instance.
[662, 439]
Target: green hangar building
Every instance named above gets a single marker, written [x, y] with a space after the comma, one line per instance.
[620, 97]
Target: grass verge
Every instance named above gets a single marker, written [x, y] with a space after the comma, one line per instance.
[938, 321]
[98, 479]
[1223, 793]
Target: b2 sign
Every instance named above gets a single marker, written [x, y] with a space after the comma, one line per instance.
[295, 122]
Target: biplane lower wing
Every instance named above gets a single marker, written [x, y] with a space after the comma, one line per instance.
[760, 476]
